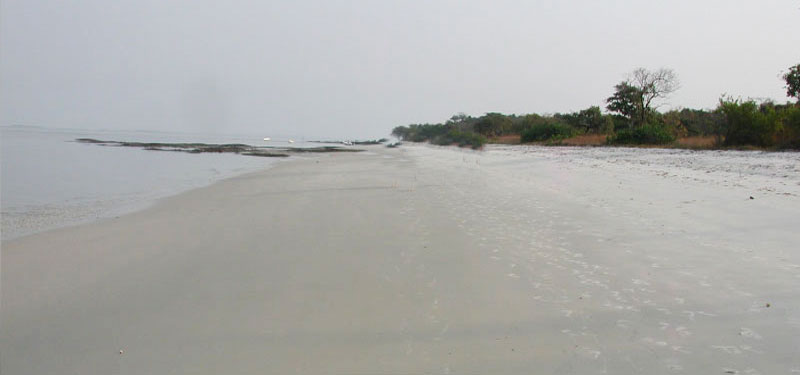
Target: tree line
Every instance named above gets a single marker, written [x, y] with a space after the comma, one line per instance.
[632, 117]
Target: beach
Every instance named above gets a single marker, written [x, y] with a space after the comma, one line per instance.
[428, 260]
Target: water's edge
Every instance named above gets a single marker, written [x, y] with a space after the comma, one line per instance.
[49, 181]
[99, 211]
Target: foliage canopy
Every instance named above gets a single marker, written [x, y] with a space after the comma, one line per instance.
[792, 78]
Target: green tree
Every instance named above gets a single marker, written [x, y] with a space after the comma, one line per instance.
[493, 124]
[792, 78]
[624, 101]
[462, 122]
[590, 120]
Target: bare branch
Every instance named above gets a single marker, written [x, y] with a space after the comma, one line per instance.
[651, 86]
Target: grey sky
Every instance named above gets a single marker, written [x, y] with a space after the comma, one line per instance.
[359, 68]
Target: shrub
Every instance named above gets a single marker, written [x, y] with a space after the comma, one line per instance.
[493, 124]
[461, 138]
[532, 120]
[419, 132]
[548, 131]
[608, 125]
[589, 120]
[747, 123]
[699, 122]
[789, 136]
[644, 135]
[673, 122]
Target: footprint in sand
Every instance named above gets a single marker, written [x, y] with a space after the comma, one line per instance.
[727, 349]
[680, 349]
[652, 341]
[749, 333]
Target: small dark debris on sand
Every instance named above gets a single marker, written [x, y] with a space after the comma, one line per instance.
[234, 148]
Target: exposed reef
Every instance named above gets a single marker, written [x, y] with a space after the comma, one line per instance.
[368, 142]
[234, 148]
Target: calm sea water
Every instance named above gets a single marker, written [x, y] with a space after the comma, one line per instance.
[47, 180]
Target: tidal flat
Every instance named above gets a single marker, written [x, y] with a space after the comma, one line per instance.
[425, 259]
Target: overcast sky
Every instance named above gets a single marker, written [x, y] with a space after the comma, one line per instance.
[359, 68]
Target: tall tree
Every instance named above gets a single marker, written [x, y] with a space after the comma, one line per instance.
[653, 85]
[635, 97]
[792, 78]
[624, 101]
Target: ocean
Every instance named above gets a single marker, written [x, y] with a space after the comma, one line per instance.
[47, 180]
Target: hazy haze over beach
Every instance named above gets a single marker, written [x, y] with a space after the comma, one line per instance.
[359, 68]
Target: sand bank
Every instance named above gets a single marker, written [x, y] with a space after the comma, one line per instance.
[428, 260]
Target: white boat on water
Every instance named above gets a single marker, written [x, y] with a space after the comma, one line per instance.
[267, 139]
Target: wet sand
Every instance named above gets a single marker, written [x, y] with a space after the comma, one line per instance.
[428, 260]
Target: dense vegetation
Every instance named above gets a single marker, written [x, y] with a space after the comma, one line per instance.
[440, 134]
[648, 134]
[549, 131]
[632, 118]
[763, 125]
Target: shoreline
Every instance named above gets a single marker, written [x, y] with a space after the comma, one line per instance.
[423, 259]
[64, 215]
[106, 212]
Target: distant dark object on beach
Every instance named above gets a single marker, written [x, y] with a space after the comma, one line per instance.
[358, 143]
[234, 148]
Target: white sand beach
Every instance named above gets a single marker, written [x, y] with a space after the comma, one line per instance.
[429, 260]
